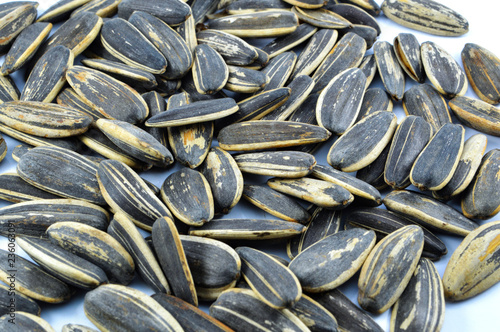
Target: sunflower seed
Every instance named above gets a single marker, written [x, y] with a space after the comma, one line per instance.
[481, 199]
[32, 281]
[355, 15]
[210, 72]
[97, 247]
[172, 12]
[370, 6]
[473, 268]
[60, 11]
[389, 267]
[303, 111]
[3, 148]
[427, 16]
[443, 70]
[287, 164]
[384, 222]
[102, 8]
[347, 53]
[126, 192]
[253, 135]
[339, 102]
[97, 51]
[187, 30]
[247, 229]
[69, 98]
[407, 51]
[245, 80]
[410, 138]
[279, 69]
[243, 310]
[121, 102]
[261, 61]
[369, 67]
[441, 155]
[373, 174]
[167, 87]
[188, 316]
[190, 144]
[272, 23]
[314, 315]
[424, 291]
[321, 18]
[374, 99]
[156, 104]
[429, 212]
[14, 19]
[125, 301]
[25, 47]
[476, 114]
[76, 328]
[322, 193]
[22, 302]
[25, 322]
[368, 33]
[233, 49]
[389, 69]
[468, 164]
[124, 231]
[63, 264]
[8, 89]
[369, 137]
[251, 6]
[287, 42]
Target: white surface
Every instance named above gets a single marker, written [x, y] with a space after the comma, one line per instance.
[476, 314]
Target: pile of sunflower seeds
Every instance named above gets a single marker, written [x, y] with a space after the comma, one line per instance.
[230, 101]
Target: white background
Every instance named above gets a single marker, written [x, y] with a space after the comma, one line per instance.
[477, 314]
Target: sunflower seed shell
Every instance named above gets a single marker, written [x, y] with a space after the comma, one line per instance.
[23, 303]
[407, 51]
[102, 8]
[233, 49]
[321, 18]
[210, 72]
[476, 114]
[389, 69]
[172, 12]
[286, 43]
[286, 164]
[374, 99]
[25, 322]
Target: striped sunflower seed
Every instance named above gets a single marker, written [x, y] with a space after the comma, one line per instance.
[69, 98]
[389, 69]
[427, 16]
[314, 315]
[369, 67]
[187, 30]
[355, 14]
[233, 49]
[476, 114]
[388, 268]
[14, 19]
[190, 143]
[443, 70]
[368, 33]
[374, 99]
[172, 12]
[210, 72]
[333, 260]
[321, 18]
[373, 174]
[279, 69]
[77, 328]
[63, 264]
[473, 267]
[410, 138]
[156, 104]
[483, 71]
[32, 281]
[95, 246]
[322, 193]
[245, 80]
[3, 148]
[309, 4]
[286, 164]
[173, 261]
[287, 42]
[481, 199]
[467, 166]
[102, 8]
[25, 46]
[60, 11]
[424, 291]
[25, 322]
[429, 212]
[441, 155]
[23, 303]
[132, 310]
[125, 232]
[251, 6]
[362, 143]
[8, 89]
[407, 50]
[370, 6]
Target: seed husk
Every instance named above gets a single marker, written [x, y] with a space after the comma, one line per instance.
[8, 89]
[188, 195]
[333, 260]
[156, 104]
[354, 14]
[190, 143]
[97, 247]
[429, 212]
[321, 18]
[214, 265]
[273, 282]
[187, 30]
[481, 199]
[373, 174]
[275, 203]
[69, 98]
[443, 70]
[167, 87]
[25, 47]
[172, 12]
[424, 291]
[359, 146]
[168, 42]
[347, 53]
[245, 80]
[254, 135]
[225, 179]
[441, 155]
[125, 232]
[286, 43]
[63, 264]
[322, 193]
[309, 4]
[210, 72]
[340, 101]
[261, 61]
[369, 67]
[314, 315]
[279, 69]
[473, 267]
[370, 6]
[25, 322]
[121, 308]
[15, 18]
[477, 114]
[349, 316]
[368, 33]
[32, 281]
[247, 229]
[173, 261]
[384, 222]
[125, 191]
[410, 138]
[286, 164]
[374, 99]
[314, 52]
[250, 6]
[188, 316]
[272, 23]
[23, 302]
[389, 267]
[389, 69]
[60, 11]
[77, 328]
[3, 148]
[102, 8]
[467, 166]
[427, 16]
[242, 309]
[483, 71]
[233, 49]
[407, 51]
[323, 223]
